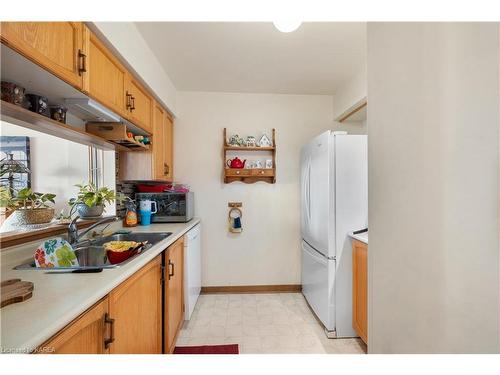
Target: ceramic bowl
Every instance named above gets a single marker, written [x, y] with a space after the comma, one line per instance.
[116, 257]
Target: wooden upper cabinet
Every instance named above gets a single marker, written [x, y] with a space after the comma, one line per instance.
[85, 335]
[155, 164]
[163, 132]
[136, 307]
[107, 77]
[360, 289]
[139, 104]
[174, 293]
[158, 145]
[58, 47]
[168, 149]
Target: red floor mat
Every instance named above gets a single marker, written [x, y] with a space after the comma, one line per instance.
[207, 349]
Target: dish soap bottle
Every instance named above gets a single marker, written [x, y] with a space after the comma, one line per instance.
[130, 219]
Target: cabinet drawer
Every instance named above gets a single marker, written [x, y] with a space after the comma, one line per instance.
[262, 172]
[238, 172]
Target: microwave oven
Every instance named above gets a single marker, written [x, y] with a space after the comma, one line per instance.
[172, 207]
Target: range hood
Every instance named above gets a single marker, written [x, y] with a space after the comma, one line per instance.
[91, 111]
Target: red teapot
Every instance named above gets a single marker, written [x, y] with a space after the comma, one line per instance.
[236, 163]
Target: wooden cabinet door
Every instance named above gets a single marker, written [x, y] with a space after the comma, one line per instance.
[174, 293]
[107, 77]
[56, 46]
[140, 104]
[158, 142]
[360, 289]
[136, 307]
[85, 335]
[168, 148]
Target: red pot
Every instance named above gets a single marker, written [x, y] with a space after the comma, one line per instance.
[116, 257]
[159, 188]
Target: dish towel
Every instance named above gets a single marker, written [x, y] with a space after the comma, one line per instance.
[235, 220]
[55, 252]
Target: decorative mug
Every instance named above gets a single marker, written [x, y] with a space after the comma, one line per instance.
[258, 164]
[145, 206]
[269, 164]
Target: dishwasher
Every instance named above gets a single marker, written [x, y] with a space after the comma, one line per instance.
[192, 269]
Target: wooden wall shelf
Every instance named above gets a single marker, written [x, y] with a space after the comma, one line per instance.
[115, 132]
[247, 175]
[233, 148]
[23, 117]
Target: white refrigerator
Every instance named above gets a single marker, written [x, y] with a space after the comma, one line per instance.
[334, 202]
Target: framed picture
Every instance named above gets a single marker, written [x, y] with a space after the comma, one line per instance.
[19, 148]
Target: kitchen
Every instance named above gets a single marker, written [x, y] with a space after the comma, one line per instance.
[212, 180]
[140, 169]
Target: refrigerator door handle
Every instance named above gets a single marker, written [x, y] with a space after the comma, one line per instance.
[308, 190]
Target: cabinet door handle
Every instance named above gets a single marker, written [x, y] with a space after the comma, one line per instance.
[82, 60]
[172, 267]
[166, 169]
[127, 101]
[132, 107]
[111, 322]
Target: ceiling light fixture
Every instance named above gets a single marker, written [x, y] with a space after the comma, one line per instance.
[287, 26]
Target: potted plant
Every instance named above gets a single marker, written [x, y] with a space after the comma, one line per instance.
[90, 201]
[28, 207]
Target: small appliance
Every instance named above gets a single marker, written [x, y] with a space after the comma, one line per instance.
[171, 207]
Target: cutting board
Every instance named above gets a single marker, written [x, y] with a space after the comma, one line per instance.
[15, 290]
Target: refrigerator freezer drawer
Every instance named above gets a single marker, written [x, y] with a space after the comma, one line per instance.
[316, 279]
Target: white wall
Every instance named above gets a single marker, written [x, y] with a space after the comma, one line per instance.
[129, 43]
[350, 93]
[433, 136]
[56, 164]
[267, 251]
[353, 127]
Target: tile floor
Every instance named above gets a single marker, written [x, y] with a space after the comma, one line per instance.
[262, 323]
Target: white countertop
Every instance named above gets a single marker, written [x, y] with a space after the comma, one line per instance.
[58, 298]
[363, 237]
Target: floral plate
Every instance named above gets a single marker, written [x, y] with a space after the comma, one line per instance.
[56, 252]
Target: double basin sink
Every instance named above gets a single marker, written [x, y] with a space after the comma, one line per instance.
[92, 256]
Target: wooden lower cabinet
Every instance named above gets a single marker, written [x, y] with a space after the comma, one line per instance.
[86, 335]
[360, 289]
[136, 307]
[135, 317]
[126, 321]
[173, 293]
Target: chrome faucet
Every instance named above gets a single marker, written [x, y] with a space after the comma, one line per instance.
[73, 234]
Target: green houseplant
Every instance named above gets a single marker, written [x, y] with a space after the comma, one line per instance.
[91, 201]
[27, 206]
